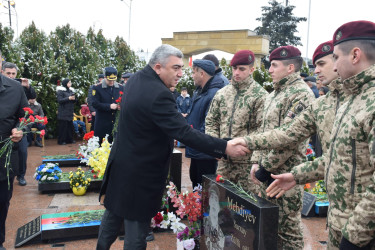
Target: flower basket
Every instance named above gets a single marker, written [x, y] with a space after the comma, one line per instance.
[79, 181]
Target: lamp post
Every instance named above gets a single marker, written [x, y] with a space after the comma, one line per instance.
[130, 13]
[308, 33]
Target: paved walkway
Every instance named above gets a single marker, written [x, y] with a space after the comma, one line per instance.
[27, 204]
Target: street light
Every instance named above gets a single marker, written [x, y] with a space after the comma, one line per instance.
[130, 13]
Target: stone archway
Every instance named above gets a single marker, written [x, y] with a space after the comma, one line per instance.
[230, 41]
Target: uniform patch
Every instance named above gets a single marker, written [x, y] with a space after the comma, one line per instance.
[250, 58]
[93, 92]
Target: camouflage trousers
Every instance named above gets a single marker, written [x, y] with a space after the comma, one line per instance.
[290, 232]
[334, 240]
[238, 174]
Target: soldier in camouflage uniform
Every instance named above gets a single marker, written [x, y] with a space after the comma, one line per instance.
[236, 111]
[350, 161]
[317, 118]
[290, 97]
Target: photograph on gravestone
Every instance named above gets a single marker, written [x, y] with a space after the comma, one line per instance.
[28, 233]
[308, 203]
[232, 221]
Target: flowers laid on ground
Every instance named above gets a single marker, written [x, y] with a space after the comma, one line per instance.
[7, 147]
[99, 158]
[85, 151]
[238, 188]
[79, 179]
[48, 173]
[320, 191]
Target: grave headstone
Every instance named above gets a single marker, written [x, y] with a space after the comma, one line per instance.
[234, 221]
[29, 232]
[308, 204]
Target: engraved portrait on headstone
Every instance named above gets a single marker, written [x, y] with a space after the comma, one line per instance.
[215, 237]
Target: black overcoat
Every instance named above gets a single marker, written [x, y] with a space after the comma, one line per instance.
[13, 100]
[102, 98]
[137, 167]
[66, 106]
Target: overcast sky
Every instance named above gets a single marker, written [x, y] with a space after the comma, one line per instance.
[152, 20]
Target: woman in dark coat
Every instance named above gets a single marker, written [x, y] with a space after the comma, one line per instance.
[66, 100]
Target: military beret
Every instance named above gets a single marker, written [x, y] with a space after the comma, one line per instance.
[126, 75]
[206, 65]
[110, 73]
[285, 53]
[101, 76]
[242, 57]
[357, 30]
[310, 79]
[323, 50]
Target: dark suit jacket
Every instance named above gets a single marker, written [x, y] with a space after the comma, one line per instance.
[137, 167]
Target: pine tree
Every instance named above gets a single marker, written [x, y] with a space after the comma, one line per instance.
[279, 24]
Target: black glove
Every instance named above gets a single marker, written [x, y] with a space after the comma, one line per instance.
[263, 175]
[347, 245]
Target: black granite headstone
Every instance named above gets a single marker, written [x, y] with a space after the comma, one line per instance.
[308, 204]
[233, 221]
[73, 162]
[28, 233]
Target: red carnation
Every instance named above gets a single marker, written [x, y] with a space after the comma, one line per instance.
[42, 132]
[45, 120]
[158, 218]
[31, 118]
[121, 93]
[28, 110]
[94, 176]
[219, 178]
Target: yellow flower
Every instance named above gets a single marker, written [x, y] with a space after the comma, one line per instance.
[77, 184]
[89, 179]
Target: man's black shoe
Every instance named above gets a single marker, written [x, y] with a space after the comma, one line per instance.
[38, 144]
[150, 236]
[21, 181]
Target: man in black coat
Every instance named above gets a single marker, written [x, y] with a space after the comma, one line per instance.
[104, 98]
[10, 70]
[137, 167]
[13, 100]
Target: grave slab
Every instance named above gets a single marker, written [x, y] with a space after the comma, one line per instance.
[234, 221]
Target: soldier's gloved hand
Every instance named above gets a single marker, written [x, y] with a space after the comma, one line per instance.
[347, 245]
[263, 175]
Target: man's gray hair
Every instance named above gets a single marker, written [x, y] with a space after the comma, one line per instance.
[162, 53]
[9, 65]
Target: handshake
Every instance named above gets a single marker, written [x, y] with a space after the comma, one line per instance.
[236, 147]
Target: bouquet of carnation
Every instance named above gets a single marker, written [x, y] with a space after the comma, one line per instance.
[167, 221]
[118, 101]
[188, 204]
[28, 119]
[85, 151]
[48, 173]
[99, 158]
[78, 179]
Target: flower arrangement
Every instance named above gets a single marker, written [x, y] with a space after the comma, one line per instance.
[188, 204]
[167, 221]
[320, 191]
[99, 158]
[239, 189]
[85, 151]
[7, 147]
[78, 179]
[48, 173]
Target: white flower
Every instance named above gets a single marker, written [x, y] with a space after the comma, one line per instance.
[188, 244]
[35, 175]
[44, 169]
[50, 178]
[44, 178]
[164, 224]
[177, 226]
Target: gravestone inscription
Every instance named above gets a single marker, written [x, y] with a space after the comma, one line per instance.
[28, 232]
[234, 221]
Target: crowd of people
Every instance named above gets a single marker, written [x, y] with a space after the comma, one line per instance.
[260, 138]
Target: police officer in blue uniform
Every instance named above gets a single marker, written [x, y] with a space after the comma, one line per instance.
[104, 98]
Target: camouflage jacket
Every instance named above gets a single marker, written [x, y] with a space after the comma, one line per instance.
[350, 162]
[235, 111]
[317, 118]
[290, 97]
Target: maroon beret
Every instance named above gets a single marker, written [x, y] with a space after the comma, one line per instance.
[323, 50]
[285, 53]
[243, 57]
[357, 30]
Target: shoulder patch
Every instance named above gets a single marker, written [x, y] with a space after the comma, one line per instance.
[93, 92]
